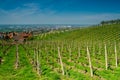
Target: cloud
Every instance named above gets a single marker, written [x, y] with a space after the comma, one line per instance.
[32, 13]
[31, 5]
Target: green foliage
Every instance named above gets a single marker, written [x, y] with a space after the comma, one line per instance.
[76, 68]
[117, 21]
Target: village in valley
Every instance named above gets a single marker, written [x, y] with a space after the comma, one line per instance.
[22, 33]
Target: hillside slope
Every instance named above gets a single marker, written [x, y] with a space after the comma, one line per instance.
[96, 33]
[39, 60]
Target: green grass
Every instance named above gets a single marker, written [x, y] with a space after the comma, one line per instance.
[24, 71]
[75, 68]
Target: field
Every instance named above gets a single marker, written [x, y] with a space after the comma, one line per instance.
[90, 53]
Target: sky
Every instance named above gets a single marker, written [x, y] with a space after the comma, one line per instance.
[58, 11]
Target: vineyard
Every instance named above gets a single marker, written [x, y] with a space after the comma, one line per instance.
[90, 53]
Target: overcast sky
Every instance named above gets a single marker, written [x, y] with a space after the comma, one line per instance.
[58, 11]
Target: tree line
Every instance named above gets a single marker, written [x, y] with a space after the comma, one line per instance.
[117, 21]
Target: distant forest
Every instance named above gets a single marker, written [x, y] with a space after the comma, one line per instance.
[117, 21]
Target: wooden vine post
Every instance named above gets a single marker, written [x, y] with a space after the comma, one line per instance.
[116, 56]
[38, 65]
[70, 52]
[90, 65]
[46, 54]
[94, 49]
[17, 57]
[78, 52]
[106, 61]
[99, 48]
[34, 62]
[61, 63]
